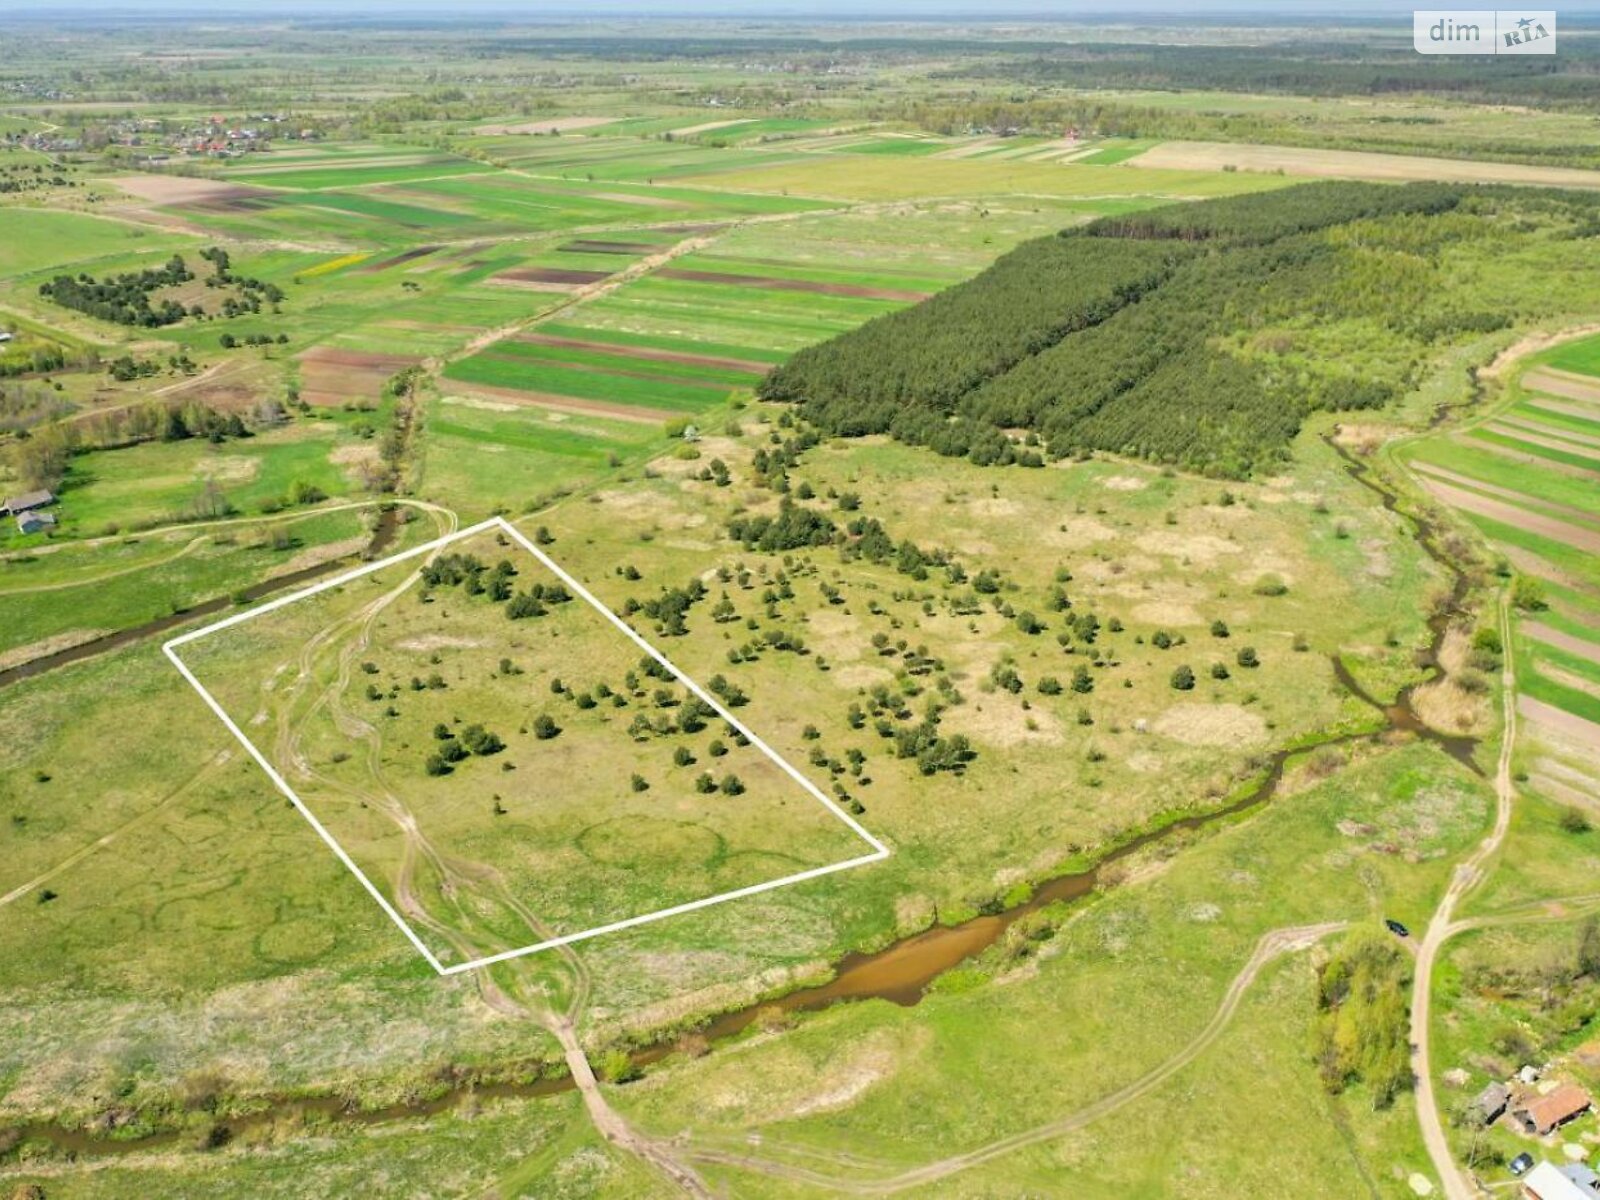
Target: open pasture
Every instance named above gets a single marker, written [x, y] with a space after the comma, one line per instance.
[1351, 164]
[1105, 526]
[65, 593]
[876, 178]
[39, 241]
[318, 167]
[607, 789]
[486, 451]
[159, 482]
[867, 1091]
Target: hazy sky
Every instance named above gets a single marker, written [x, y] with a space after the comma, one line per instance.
[856, 9]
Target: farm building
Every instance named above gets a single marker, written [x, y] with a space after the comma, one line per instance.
[27, 502]
[1550, 1182]
[33, 522]
[1544, 1113]
[1491, 1102]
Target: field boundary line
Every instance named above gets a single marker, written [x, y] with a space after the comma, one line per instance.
[170, 648]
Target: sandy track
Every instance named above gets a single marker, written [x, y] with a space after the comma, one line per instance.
[100, 843]
[1468, 874]
[646, 353]
[571, 404]
[1563, 383]
[1520, 499]
[559, 124]
[1562, 445]
[1582, 411]
[1541, 632]
[1270, 947]
[1530, 425]
[1531, 460]
[1354, 164]
[1585, 732]
[775, 284]
[1518, 518]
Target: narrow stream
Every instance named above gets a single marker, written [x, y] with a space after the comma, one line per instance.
[901, 972]
[382, 536]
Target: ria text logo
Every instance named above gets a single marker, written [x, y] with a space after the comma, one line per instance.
[1484, 31]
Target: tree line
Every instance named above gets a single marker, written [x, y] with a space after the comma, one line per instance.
[1140, 334]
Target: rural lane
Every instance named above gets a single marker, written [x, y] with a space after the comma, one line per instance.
[1467, 874]
[1271, 946]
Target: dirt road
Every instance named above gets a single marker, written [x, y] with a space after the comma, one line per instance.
[319, 680]
[1270, 947]
[1468, 874]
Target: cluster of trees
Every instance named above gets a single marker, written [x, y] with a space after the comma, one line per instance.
[127, 299]
[794, 528]
[24, 406]
[38, 356]
[535, 601]
[39, 457]
[475, 577]
[1135, 334]
[1268, 216]
[1295, 68]
[670, 609]
[402, 389]
[451, 748]
[929, 356]
[26, 177]
[1361, 1031]
[123, 299]
[1549, 992]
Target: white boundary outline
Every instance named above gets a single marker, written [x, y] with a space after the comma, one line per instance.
[170, 648]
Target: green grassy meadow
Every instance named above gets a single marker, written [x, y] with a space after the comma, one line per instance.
[1006, 674]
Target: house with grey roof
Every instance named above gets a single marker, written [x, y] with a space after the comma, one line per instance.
[1571, 1182]
[27, 502]
[1490, 1104]
[34, 521]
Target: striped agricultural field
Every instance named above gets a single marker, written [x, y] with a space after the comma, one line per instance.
[1529, 479]
[691, 336]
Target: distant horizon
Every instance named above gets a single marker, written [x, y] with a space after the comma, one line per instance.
[830, 10]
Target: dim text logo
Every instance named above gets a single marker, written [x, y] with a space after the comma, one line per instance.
[1484, 31]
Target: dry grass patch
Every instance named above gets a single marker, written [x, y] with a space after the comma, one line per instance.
[1196, 724]
[228, 468]
[1352, 164]
[993, 721]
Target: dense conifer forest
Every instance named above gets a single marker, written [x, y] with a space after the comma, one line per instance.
[1177, 335]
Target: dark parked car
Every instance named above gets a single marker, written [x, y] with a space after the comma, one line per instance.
[1521, 1164]
[1396, 928]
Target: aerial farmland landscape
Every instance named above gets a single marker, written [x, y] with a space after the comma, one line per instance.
[684, 600]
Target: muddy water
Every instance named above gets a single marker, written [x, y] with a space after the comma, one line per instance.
[76, 1143]
[1402, 715]
[382, 537]
[902, 972]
